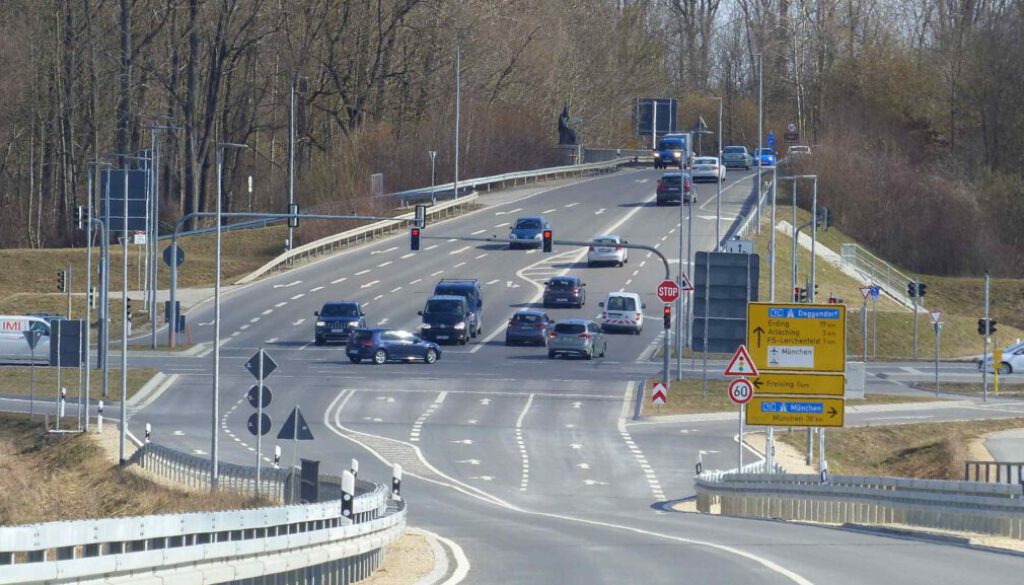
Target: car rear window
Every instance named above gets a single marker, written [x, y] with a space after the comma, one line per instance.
[733, 150]
[569, 328]
[528, 224]
[605, 242]
[526, 319]
[704, 161]
[621, 304]
[671, 180]
[362, 335]
[443, 307]
[561, 283]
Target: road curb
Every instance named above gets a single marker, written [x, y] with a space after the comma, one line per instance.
[450, 563]
[152, 390]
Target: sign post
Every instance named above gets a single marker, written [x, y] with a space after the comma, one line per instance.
[659, 395]
[937, 324]
[260, 366]
[866, 292]
[32, 338]
[876, 291]
[741, 391]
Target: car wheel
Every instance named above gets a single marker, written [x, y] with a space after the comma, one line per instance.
[508, 341]
[431, 356]
[619, 264]
[604, 350]
[354, 360]
[319, 341]
[639, 330]
[551, 355]
[380, 356]
[1004, 368]
[463, 340]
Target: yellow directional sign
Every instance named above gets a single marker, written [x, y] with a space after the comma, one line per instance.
[797, 337]
[795, 412]
[800, 384]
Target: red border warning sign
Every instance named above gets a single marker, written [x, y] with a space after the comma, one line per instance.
[741, 364]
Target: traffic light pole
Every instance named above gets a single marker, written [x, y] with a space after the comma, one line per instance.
[914, 285]
[984, 353]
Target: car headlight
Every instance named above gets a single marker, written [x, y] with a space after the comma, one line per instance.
[460, 325]
[536, 236]
[677, 154]
[513, 236]
[657, 155]
[425, 326]
[320, 323]
[353, 324]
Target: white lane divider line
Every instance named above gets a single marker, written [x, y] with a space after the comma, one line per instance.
[458, 265]
[572, 204]
[267, 312]
[436, 273]
[254, 319]
[431, 247]
[417, 426]
[492, 281]
[503, 224]
[378, 297]
[628, 282]
[415, 281]
[382, 321]
[383, 264]
[549, 211]
[525, 472]
[459, 251]
[391, 249]
[453, 240]
[409, 255]
[599, 211]
[509, 212]
[477, 232]
[652, 479]
[243, 327]
[481, 255]
[369, 284]
[298, 296]
[337, 280]
[271, 340]
[635, 272]
[362, 272]
[299, 322]
[281, 304]
[396, 289]
[293, 283]
[316, 288]
[643, 263]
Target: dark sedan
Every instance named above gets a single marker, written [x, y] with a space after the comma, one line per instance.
[528, 326]
[381, 345]
[336, 320]
[565, 291]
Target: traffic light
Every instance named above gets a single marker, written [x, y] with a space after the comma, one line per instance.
[293, 212]
[62, 283]
[815, 292]
[128, 309]
[796, 294]
[667, 316]
[832, 300]
[911, 289]
[547, 240]
[92, 298]
[803, 295]
[421, 216]
[921, 289]
[991, 325]
[414, 238]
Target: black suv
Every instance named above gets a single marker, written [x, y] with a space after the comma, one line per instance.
[446, 318]
[336, 321]
[469, 289]
[675, 187]
[565, 291]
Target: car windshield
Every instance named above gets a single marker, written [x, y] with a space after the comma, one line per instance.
[561, 283]
[339, 311]
[528, 224]
[621, 304]
[526, 318]
[733, 150]
[443, 307]
[570, 328]
[670, 145]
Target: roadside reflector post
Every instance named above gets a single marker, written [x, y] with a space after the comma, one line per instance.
[354, 468]
[99, 418]
[396, 481]
[348, 490]
[277, 456]
[149, 432]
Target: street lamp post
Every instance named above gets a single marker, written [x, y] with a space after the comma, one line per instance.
[433, 160]
[760, 134]
[796, 232]
[718, 199]
[214, 442]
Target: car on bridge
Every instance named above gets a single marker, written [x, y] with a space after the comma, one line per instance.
[580, 337]
[671, 151]
[446, 318]
[706, 168]
[528, 326]
[381, 345]
[526, 232]
[736, 157]
[336, 320]
[563, 291]
[623, 311]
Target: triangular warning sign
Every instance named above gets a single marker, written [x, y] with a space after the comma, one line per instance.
[659, 395]
[866, 291]
[936, 317]
[294, 431]
[684, 283]
[741, 364]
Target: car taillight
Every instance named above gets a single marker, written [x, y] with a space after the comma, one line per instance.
[540, 325]
[686, 186]
[618, 248]
[552, 335]
[638, 315]
[591, 248]
[584, 336]
[661, 187]
[366, 342]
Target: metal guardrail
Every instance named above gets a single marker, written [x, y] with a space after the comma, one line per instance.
[951, 505]
[179, 548]
[749, 211]
[515, 179]
[354, 235]
[877, 271]
[994, 471]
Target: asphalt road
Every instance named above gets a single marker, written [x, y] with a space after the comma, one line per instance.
[528, 463]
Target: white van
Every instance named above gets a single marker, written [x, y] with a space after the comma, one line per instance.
[623, 311]
[14, 346]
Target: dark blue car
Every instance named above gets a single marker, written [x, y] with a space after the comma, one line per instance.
[528, 326]
[336, 320]
[381, 345]
[526, 232]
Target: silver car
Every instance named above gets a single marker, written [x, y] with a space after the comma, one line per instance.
[607, 250]
[580, 337]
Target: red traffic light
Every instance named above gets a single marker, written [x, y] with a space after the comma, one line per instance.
[546, 243]
[414, 238]
[667, 314]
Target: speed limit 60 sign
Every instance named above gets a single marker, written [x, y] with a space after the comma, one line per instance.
[741, 391]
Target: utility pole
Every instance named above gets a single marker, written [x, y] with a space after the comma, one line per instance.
[814, 239]
[291, 164]
[984, 353]
[718, 199]
[914, 287]
[124, 325]
[433, 159]
[458, 106]
[760, 134]
[679, 274]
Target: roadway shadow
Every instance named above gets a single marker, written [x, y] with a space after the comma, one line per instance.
[638, 204]
[495, 246]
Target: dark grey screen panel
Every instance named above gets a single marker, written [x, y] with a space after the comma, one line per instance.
[72, 342]
[137, 198]
[644, 115]
[733, 283]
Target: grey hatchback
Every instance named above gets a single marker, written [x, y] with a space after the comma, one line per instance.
[577, 336]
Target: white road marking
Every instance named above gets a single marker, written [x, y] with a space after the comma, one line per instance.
[293, 283]
[199, 452]
[471, 421]
[436, 273]
[577, 404]
[337, 280]
[509, 212]
[477, 232]
[628, 282]
[383, 264]
[409, 255]
[271, 340]
[583, 465]
[525, 470]
[594, 482]
[254, 319]
[298, 296]
[382, 321]
[178, 433]
[459, 251]
[378, 297]
[267, 312]
[574, 204]
[643, 263]
[391, 249]
[453, 240]
[470, 461]
[362, 272]
[652, 479]
[576, 446]
[415, 281]
[481, 255]
[244, 327]
[463, 441]
[635, 272]
[396, 289]
[532, 251]
[299, 322]
[369, 284]
[599, 211]
[641, 180]
[485, 401]
[503, 224]
[483, 478]
[549, 211]
[431, 247]
[281, 304]
[458, 265]
[316, 288]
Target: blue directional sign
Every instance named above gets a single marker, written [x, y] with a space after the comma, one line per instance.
[875, 292]
[798, 313]
[796, 411]
[771, 139]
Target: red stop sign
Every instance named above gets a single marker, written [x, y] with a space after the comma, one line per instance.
[668, 291]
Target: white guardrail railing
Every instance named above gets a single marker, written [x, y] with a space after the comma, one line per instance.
[874, 270]
[259, 545]
[983, 508]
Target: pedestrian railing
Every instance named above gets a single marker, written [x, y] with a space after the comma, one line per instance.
[984, 508]
[994, 471]
[875, 270]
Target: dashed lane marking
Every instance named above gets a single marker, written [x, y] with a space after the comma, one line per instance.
[383, 264]
[316, 288]
[409, 255]
[298, 322]
[298, 296]
[369, 284]
[525, 470]
[477, 232]
[431, 247]
[281, 304]
[267, 312]
[362, 272]
[415, 281]
[339, 280]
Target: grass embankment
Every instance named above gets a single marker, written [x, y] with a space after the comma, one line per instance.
[960, 300]
[687, 397]
[17, 380]
[927, 451]
[47, 478]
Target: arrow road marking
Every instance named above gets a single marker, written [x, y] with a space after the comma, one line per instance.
[293, 283]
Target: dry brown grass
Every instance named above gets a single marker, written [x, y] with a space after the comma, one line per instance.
[927, 451]
[49, 478]
[17, 380]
